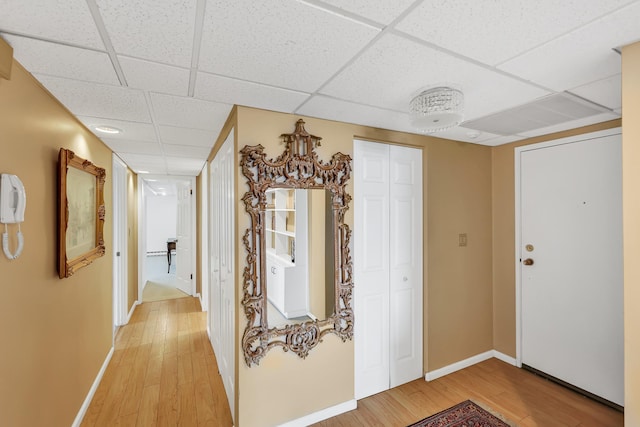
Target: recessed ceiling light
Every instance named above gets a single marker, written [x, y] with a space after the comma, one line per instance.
[143, 171]
[107, 129]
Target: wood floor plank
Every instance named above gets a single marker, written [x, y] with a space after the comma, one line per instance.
[148, 412]
[520, 396]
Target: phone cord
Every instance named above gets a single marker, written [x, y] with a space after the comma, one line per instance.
[5, 243]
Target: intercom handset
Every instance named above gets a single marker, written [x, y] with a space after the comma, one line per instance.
[13, 200]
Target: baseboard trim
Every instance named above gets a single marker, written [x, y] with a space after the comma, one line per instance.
[92, 391]
[133, 308]
[505, 358]
[322, 415]
[430, 376]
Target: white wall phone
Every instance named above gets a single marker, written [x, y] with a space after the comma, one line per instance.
[13, 200]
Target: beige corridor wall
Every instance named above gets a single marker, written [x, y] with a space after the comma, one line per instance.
[458, 304]
[55, 333]
[503, 199]
[631, 227]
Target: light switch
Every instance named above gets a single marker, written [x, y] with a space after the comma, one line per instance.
[462, 239]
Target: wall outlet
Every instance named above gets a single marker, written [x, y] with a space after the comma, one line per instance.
[462, 239]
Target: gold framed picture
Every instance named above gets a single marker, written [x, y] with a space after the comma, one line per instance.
[81, 212]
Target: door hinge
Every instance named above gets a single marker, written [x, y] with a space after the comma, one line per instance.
[192, 277]
[191, 192]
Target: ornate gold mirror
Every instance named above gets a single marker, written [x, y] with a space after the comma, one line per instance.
[298, 279]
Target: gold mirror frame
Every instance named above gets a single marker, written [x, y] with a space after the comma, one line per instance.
[68, 267]
[297, 167]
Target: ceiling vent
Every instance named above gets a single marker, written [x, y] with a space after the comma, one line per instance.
[541, 113]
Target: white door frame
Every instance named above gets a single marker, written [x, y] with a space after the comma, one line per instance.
[204, 240]
[142, 234]
[120, 242]
[518, 223]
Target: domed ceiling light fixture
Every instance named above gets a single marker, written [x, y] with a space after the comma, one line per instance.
[437, 109]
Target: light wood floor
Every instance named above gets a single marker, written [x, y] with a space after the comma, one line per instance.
[164, 372]
[518, 395]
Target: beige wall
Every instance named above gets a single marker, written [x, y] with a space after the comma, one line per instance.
[55, 333]
[458, 304]
[631, 226]
[132, 238]
[503, 200]
[6, 59]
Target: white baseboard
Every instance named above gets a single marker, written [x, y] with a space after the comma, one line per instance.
[322, 415]
[506, 359]
[133, 307]
[92, 391]
[430, 376]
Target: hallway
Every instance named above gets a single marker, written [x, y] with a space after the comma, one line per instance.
[163, 372]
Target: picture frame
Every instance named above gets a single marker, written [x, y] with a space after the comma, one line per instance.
[81, 212]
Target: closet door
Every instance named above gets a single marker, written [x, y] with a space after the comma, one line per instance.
[405, 264]
[222, 296]
[388, 266]
[371, 262]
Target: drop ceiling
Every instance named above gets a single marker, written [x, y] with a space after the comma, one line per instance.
[167, 72]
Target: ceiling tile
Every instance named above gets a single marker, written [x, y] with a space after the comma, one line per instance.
[130, 130]
[607, 92]
[184, 166]
[155, 77]
[494, 31]
[132, 147]
[159, 30]
[185, 136]
[145, 162]
[96, 100]
[233, 91]
[582, 56]
[189, 112]
[395, 69]
[62, 61]
[382, 11]
[280, 43]
[335, 109]
[186, 151]
[68, 21]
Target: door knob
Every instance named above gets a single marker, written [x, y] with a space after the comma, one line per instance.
[528, 261]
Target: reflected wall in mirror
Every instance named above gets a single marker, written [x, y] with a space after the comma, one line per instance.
[297, 283]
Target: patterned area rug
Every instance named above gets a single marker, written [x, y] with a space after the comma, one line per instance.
[465, 414]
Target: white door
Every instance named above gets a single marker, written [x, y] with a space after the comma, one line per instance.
[184, 272]
[571, 296]
[388, 266]
[222, 295]
[204, 239]
[120, 242]
[405, 264]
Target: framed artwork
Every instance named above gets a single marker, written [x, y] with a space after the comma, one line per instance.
[81, 212]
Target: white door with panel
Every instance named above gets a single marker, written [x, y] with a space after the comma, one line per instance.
[184, 272]
[570, 247]
[120, 242]
[388, 273]
[222, 236]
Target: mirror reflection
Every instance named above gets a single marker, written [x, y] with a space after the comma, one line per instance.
[300, 256]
